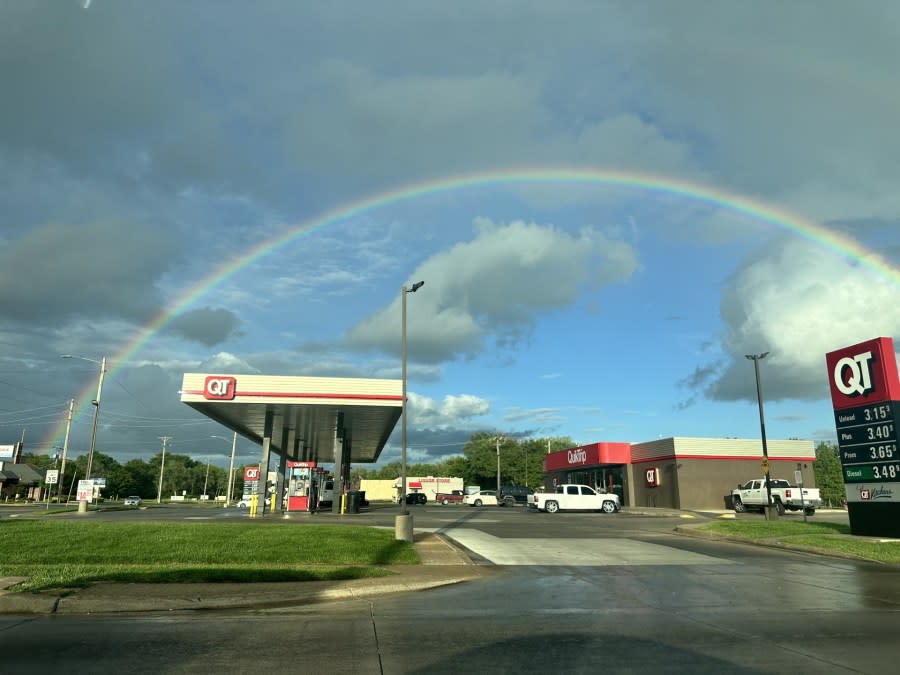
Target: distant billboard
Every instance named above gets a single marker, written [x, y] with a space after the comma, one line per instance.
[7, 451]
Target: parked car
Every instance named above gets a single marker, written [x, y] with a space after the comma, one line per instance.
[785, 497]
[245, 502]
[481, 498]
[132, 501]
[510, 495]
[416, 498]
[452, 497]
[327, 496]
[573, 497]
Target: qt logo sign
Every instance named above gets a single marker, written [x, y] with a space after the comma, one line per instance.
[219, 388]
[853, 374]
[251, 473]
[651, 477]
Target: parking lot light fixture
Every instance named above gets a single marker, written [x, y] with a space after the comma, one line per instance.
[756, 358]
[403, 526]
[412, 289]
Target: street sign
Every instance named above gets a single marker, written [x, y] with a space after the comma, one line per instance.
[85, 490]
[52, 477]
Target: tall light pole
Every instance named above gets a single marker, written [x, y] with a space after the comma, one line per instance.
[756, 358]
[230, 468]
[403, 527]
[96, 403]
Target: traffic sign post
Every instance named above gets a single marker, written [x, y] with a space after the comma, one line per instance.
[798, 479]
[51, 478]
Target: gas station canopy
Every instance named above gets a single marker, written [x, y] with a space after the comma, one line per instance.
[303, 416]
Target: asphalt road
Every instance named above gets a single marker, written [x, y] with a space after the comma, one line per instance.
[581, 593]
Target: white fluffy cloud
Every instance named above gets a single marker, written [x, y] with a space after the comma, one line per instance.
[452, 411]
[798, 301]
[493, 286]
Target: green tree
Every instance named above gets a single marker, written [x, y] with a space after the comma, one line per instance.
[135, 477]
[453, 466]
[481, 457]
[829, 476]
[421, 470]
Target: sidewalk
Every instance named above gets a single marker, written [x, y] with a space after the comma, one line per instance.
[442, 564]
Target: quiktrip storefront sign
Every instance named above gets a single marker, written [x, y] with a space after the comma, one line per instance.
[865, 396]
[595, 454]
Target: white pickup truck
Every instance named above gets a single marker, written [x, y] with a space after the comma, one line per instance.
[785, 497]
[574, 498]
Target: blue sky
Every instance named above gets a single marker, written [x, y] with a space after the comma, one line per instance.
[144, 145]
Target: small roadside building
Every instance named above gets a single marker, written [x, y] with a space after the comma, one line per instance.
[20, 481]
[678, 473]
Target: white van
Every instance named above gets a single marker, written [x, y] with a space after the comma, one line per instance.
[327, 496]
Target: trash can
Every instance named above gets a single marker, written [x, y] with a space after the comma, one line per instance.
[353, 501]
[729, 502]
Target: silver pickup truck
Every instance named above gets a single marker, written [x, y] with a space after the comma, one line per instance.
[785, 497]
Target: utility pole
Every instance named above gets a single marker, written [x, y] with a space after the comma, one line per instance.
[62, 468]
[206, 480]
[231, 471]
[165, 440]
[497, 440]
[526, 465]
[96, 403]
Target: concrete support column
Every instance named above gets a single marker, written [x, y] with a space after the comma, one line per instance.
[264, 462]
[403, 527]
[338, 474]
[278, 503]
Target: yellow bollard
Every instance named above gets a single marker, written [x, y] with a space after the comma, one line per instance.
[343, 503]
[254, 499]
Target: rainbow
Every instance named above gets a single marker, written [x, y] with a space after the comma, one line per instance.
[754, 209]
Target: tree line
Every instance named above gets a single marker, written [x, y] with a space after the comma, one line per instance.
[521, 463]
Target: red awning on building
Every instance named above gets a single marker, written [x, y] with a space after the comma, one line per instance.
[415, 485]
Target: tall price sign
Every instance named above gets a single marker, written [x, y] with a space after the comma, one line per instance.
[865, 395]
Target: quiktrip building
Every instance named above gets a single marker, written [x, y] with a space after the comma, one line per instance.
[678, 473]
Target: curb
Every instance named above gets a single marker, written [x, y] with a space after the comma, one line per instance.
[442, 564]
[694, 531]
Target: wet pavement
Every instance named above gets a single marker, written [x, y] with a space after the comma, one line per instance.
[444, 563]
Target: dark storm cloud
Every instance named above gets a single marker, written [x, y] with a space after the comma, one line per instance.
[72, 77]
[59, 272]
[207, 326]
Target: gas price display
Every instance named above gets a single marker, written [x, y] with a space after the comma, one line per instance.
[867, 440]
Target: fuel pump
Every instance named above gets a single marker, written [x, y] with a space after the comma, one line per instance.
[301, 492]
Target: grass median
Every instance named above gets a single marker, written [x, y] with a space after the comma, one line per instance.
[66, 554]
[817, 537]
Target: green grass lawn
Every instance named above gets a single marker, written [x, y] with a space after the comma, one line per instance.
[823, 537]
[67, 554]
